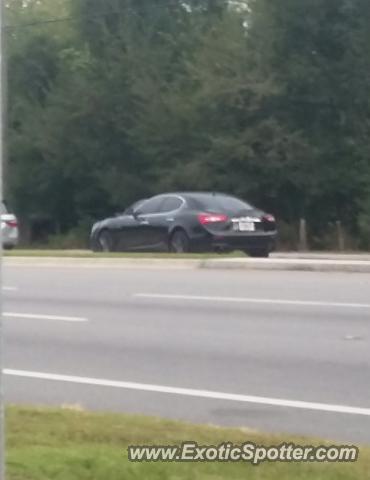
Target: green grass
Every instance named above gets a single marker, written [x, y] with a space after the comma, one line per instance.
[89, 254]
[68, 444]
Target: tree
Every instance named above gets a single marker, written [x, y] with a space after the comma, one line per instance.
[319, 54]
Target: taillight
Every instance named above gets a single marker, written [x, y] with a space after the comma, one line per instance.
[11, 223]
[207, 218]
[268, 217]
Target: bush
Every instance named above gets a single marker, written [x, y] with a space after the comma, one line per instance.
[288, 236]
[364, 230]
[76, 238]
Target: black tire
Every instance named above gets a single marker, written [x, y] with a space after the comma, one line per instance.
[258, 253]
[105, 241]
[179, 242]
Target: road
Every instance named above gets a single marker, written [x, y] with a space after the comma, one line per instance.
[283, 352]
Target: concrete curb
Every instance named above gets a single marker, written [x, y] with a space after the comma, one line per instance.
[322, 256]
[303, 265]
[271, 264]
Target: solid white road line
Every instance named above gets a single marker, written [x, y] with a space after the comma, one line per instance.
[262, 301]
[10, 289]
[36, 316]
[274, 402]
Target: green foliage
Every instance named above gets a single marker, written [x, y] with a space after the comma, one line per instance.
[116, 100]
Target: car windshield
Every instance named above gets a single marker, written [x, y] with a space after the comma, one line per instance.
[130, 210]
[213, 203]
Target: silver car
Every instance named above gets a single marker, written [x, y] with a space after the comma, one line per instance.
[9, 228]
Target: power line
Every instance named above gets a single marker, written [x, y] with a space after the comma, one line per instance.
[95, 16]
[40, 22]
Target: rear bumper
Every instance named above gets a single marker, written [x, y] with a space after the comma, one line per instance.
[10, 237]
[266, 241]
[252, 241]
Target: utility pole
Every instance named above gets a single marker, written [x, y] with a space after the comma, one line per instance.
[2, 150]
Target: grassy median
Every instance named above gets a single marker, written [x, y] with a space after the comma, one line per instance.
[89, 254]
[68, 444]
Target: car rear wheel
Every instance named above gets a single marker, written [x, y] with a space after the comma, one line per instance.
[258, 253]
[179, 242]
[105, 241]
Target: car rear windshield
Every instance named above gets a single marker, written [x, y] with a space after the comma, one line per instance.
[213, 203]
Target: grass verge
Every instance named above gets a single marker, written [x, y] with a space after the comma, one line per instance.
[89, 254]
[67, 444]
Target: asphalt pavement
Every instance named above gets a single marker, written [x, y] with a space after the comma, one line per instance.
[277, 351]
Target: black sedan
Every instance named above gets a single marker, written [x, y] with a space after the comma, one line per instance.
[188, 222]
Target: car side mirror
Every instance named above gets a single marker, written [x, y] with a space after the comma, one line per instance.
[136, 213]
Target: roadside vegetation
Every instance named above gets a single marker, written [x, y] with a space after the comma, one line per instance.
[70, 444]
[88, 254]
[115, 100]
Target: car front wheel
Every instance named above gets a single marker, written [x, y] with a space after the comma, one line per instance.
[105, 241]
[179, 242]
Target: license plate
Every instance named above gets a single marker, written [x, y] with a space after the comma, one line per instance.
[247, 226]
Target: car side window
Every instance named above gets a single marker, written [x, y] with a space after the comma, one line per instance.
[170, 204]
[151, 206]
